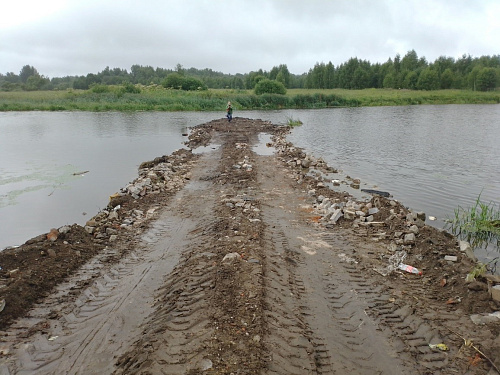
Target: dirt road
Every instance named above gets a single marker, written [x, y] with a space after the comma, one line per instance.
[235, 271]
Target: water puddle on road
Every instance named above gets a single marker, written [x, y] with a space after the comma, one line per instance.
[262, 147]
[205, 149]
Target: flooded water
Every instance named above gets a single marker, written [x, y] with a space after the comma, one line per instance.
[431, 158]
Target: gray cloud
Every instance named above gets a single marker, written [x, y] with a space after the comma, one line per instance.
[81, 37]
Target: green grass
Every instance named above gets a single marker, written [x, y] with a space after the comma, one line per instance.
[293, 122]
[157, 98]
[478, 224]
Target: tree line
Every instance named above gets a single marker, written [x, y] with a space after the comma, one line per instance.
[407, 72]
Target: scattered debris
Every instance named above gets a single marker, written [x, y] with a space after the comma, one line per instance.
[442, 347]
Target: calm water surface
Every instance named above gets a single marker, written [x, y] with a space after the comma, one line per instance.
[431, 158]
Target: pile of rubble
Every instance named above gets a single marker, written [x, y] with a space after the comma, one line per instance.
[164, 175]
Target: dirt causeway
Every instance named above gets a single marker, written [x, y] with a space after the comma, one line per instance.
[224, 262]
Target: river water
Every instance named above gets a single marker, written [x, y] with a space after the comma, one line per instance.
[431, 158]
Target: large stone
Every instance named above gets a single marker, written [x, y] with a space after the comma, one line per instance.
[467, 250]
[91, 223]
[495, 293]
[336, 215]
[349, 214]
[414, 229]
[111, 231]
[421, 216]
[65, 229]
[409, 238]
[231, 257]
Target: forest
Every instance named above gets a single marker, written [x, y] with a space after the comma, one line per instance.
[407, 72]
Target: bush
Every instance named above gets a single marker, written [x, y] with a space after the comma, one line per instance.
[131, 88]
[266, 86]
[98, 88]
[177, 81]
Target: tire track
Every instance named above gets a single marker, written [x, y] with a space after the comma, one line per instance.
[105, 319]
[316, 311]
[413, 333]
[174, 340]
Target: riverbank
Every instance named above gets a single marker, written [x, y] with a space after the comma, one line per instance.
[257, 266]
[157, 98]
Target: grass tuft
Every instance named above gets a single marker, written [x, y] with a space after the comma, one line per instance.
[293, 122]
[479, 225]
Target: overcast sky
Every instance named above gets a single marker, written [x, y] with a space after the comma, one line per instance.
[76, 37]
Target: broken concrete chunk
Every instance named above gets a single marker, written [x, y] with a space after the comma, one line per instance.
[409, 238]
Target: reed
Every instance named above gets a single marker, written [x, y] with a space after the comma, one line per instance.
[293, 122]
[478, 224]
[157, 98]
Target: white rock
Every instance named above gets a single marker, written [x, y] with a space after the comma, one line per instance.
[231, 257]
[336, 215]
[64, 229]
[349, 214]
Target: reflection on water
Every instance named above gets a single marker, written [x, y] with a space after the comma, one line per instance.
[431, 158]
[262, 147]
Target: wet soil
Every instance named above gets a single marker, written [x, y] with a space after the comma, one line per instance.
[232, 269]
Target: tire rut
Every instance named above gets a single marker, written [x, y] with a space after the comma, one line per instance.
[105, 319]
[316, 311]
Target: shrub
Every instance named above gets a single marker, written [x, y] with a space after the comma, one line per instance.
[98, 88]
[266, 86]
[177, 81]
[131, 88]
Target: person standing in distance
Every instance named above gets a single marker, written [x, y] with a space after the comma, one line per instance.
[229, 111]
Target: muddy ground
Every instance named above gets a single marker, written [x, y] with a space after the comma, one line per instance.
[224, 263]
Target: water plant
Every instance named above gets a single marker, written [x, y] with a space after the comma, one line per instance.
[478, 224]
[293, 122]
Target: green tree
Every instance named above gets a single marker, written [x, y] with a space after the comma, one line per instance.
[192, 84]
[26, 72]
[360, 79]
[411, 80]
[329, 76]
[486, 79]
[266, 86]
[37, 82]
[410, 61]
[173, 81]
[428, 80]
[253, 78]
[447, 78]
[389, 80]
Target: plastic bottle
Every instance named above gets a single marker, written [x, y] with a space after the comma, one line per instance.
[410, 269]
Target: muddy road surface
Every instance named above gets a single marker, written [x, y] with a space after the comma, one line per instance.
[225, 263]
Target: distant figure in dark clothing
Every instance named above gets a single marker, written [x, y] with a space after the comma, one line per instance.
[229, 111]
